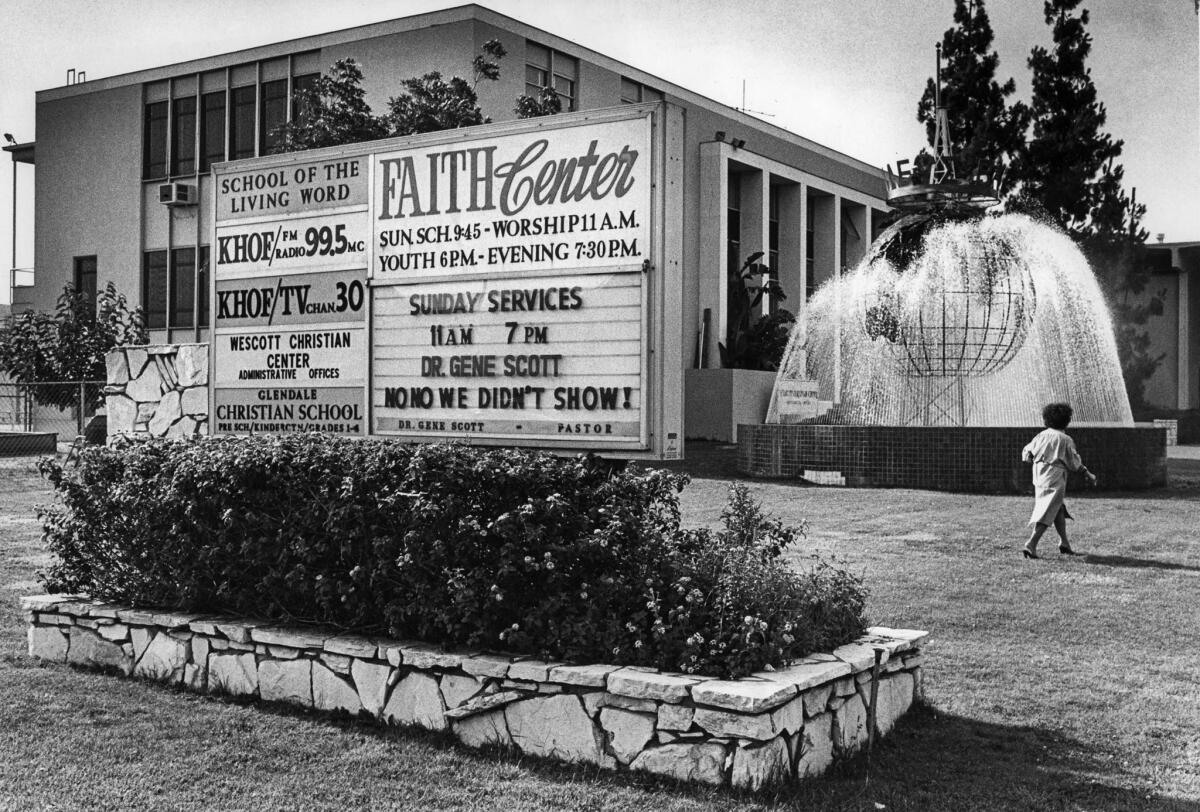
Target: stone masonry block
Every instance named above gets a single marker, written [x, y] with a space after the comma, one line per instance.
[416, 700]
[649, 685]
[233, 674]
[47, 643]
[90, 649]
[286, 681]
[758, 766]
[556, 727]
[371, 682]
[685, 761]
[815, 746]
[627, 732]
[332, 693]
[164, 659]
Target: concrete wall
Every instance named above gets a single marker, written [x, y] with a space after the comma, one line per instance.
[387, 60]
[1175, 335]
[89, 160]
[1162, 389]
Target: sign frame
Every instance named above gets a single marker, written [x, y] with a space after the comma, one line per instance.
[661, 310]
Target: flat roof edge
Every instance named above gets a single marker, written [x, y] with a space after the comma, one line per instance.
[466, 12]
[271, 50]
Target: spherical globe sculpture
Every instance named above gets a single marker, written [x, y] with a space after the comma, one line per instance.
[961, 302]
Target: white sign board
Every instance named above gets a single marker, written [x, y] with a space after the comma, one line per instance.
[552, 359]
[565, 200]
[289, 339]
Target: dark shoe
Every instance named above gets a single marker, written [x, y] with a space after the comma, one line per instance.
[1028, 553]
[1067, 551]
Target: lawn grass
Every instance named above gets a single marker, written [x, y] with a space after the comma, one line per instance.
[1068, 684]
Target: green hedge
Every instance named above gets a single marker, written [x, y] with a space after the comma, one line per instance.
[499, 549]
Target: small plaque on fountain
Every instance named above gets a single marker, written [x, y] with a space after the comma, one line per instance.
[798, 400]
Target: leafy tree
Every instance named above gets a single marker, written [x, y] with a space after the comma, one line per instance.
[333, 111]
[545, 103]
[69, 344]
[986, 132]
[431, 103]
[1068, 172]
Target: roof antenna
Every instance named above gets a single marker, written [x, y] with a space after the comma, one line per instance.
[745, 109]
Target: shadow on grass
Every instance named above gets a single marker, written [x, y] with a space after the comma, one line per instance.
[931, 761]
[1135, 563]
[938, 761]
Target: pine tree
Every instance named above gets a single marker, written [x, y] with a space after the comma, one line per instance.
[986, 133]
[1067, 166]
[1068, 172]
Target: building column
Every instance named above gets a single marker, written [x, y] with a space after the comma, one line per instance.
[755, 207]
[714, 222]
[792, 240]
[855, 228]
[1183, 385]
[827, 236]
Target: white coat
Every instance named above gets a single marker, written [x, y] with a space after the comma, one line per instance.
[1053, 454]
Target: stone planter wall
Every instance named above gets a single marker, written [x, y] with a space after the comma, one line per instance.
[157, 390]
[776, 726]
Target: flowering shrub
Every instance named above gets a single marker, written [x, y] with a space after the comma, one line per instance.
[501, 549]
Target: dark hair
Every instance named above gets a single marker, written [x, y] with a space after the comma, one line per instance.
[1057, 415]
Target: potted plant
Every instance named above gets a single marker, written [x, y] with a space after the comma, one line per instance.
[718, 400]
[754, 341]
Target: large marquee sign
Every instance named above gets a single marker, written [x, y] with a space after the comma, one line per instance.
[503, 284]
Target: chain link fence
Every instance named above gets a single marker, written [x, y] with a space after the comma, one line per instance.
[67, 408]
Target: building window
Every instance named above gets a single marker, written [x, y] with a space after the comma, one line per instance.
[85, 278]
[212, 129]
[241, 123]
[300, 86]
[183, 136]
[274, 114]
[634, 92]
[545, 67]
[183, 287]
[154, 288]
[733, 212]
[810, 273]
[154, 146]
[202, 282]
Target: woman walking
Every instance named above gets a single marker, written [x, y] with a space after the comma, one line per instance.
[1053, 455]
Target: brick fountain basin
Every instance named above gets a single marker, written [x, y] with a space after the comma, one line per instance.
[964, 459]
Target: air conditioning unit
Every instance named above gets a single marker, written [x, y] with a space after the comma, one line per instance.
[177, 194]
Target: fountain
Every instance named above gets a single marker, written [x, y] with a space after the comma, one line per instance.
[928, 364]
[989, 319]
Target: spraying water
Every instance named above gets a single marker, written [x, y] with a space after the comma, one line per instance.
[957, 321]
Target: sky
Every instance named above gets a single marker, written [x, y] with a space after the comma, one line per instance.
[844, 73]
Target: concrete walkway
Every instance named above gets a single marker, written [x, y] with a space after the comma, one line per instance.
[1183, 452]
